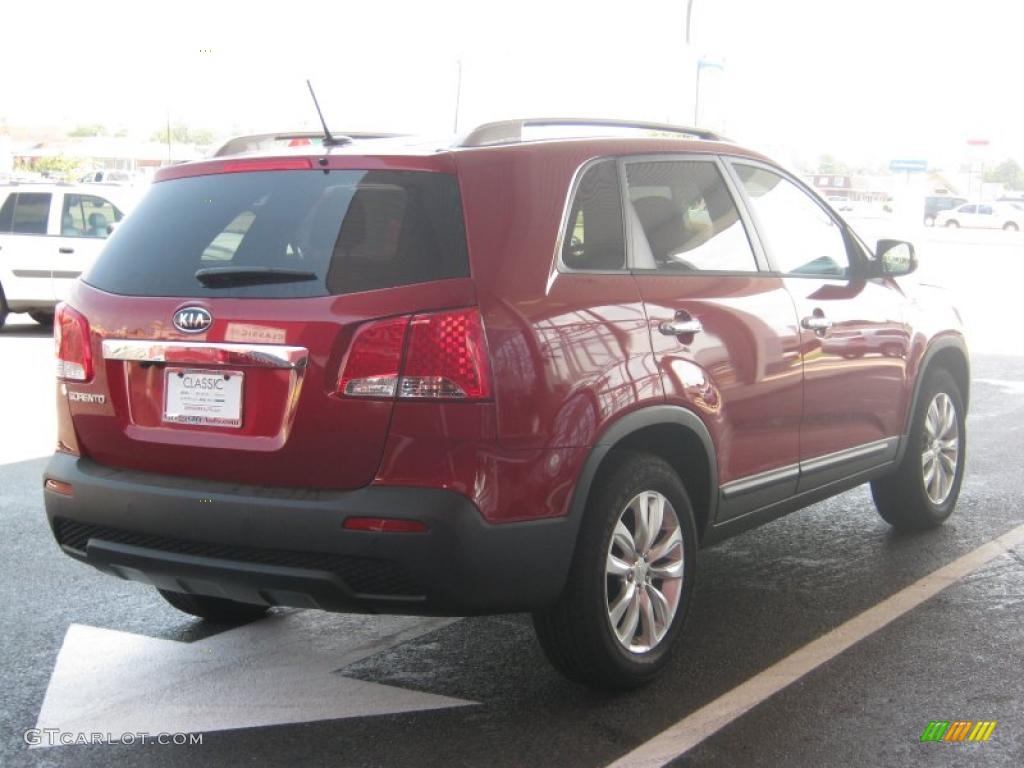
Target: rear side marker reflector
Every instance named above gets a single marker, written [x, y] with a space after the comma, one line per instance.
[57, 486]
[435, 356]
[384, 525]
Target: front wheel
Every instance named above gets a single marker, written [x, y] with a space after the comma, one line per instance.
[630, 582]
[43, 318]
[1011, 226]
[923, 491]
[217, 609]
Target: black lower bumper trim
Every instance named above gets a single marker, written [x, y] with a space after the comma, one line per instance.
[287, 547]
[364, 576]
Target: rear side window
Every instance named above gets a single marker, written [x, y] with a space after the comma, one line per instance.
[25, 213]
[87, 216]
[688, 218]
[327, 233]
[593, 238]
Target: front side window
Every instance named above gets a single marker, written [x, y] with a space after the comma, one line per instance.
[801, 236]
[25, 213]
[87, 216]
[593, 238]
[688, 218]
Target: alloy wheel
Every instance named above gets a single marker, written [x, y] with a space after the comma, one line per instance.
[941, 453]
[644, 572]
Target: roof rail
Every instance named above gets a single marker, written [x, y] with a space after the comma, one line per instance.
[240, 144]
[511, 131]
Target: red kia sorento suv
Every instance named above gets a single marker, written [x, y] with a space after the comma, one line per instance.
[509, 374]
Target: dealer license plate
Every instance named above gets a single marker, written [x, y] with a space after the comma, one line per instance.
[205, 398]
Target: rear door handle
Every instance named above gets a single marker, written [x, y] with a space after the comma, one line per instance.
[816, 323]
[679, 326]
[66, 250]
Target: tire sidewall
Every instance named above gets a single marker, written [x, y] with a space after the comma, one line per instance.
[939, 381]
[634, 476]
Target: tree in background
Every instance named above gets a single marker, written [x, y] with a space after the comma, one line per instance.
[95, 129]
[58, 166]
[182, 134]
[828, 164]
[1007, 172]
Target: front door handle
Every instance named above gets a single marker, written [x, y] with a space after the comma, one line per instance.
[66, 250]
[680, 326]
[816, 323]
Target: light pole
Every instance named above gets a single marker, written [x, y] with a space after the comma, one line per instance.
[458, 95]
[702, 64]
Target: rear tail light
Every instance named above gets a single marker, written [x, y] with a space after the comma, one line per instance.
[372, 366]
[71, 339]
[445, 358]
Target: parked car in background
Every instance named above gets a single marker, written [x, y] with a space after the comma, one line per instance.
[490, 376]
[935, 204]
[107, 176]
[49, 235]
[983, 216]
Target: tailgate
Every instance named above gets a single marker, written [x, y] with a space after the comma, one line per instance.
[220, 313]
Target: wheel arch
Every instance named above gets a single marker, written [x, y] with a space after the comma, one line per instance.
[949, 353]
[673, 433]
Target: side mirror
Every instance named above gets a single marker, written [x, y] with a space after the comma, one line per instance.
[896, 257]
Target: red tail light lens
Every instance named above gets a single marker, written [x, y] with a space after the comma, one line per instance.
[446, 357]
[372, 366]
[71, 339]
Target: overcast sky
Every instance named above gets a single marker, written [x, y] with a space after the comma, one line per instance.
[868, 80]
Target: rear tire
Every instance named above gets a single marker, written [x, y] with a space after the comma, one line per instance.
[951, 224]
[217, 609]
[1011, 226]
[923, 491]
[628, 590]
[43, 318]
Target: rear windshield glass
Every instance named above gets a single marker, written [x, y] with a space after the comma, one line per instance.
[328, 233]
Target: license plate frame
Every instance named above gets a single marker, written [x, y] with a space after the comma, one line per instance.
[204, 405]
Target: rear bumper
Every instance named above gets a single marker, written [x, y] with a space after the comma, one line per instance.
[287, 547]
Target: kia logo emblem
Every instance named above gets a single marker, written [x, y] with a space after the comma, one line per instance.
[192, 320]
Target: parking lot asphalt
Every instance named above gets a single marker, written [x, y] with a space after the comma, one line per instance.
[306, 688]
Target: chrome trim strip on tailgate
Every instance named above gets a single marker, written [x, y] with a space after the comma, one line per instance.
[206, 353]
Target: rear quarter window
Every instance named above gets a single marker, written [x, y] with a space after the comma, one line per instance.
[349, 231]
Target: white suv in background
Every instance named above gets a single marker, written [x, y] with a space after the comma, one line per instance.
[984, 215]
[49, 235]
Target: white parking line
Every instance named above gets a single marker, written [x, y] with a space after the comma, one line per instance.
[709, 719]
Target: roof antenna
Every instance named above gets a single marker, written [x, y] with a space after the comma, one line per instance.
[329, 140]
